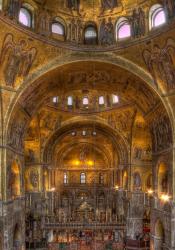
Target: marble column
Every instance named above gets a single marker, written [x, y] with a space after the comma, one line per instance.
[135, 215]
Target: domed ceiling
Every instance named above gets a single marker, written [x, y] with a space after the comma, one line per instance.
[91, 9]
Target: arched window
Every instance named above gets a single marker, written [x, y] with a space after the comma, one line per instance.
[90, 35]
[15, 180]
[123, 29]
[85, 101]
[16, 237]
[58, 28]
[125, 180]
[162, 179]
[73, 133]
[115, 99]
[84, 133]
[25, 17]
[1, 3]
[160, 233]
[137, 183]
[70, 101]
[55, 99]
[101, 178]
[101, 100]
[149, 182]
[83, 178]
[94, 133]
[65, 180]
[157, 16]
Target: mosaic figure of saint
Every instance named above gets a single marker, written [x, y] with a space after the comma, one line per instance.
[108, 4]
[73, 4]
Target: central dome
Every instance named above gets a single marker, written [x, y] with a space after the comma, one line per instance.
[101, 23]
[89, 10]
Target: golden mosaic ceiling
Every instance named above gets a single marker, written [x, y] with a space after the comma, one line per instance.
[90, 77]
[92, 9]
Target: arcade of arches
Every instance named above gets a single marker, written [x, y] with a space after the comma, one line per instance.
[87, 96]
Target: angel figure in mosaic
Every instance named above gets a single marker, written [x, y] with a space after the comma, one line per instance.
[161, 63]
[108, 4]
[16, 59]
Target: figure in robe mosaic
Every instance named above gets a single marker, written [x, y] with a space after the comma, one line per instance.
[44, 23]
[106, 34]
[16, 58]
[14, 7]
[169, 6]
[138, 23]
[109, 4]
[73, 4]
[161, 64]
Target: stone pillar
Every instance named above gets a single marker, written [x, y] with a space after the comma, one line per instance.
[13, 214]
[156, 243]
[135, 215]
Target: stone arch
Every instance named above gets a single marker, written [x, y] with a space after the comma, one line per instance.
[35, 80]
[162, 178]
[17, 237]
[149, 182]
[64, 151]
[46, 178]
[118, 61]
[137, 181]
[125, 179]
[15, 183]
[159, 235]
[1, 241]
[105, 128]
[31, 177]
